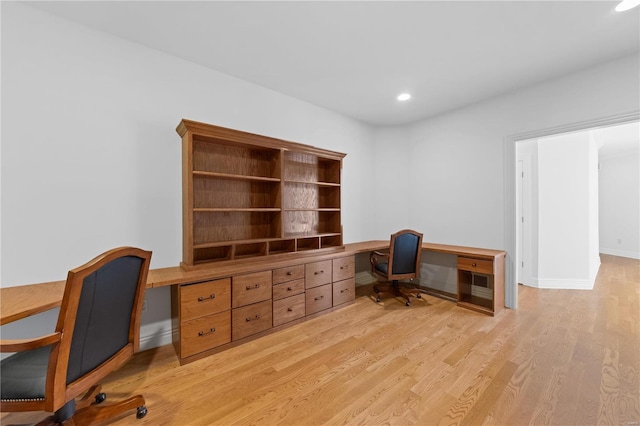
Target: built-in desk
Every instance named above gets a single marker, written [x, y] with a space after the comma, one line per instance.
[23, 301]
[226, 304]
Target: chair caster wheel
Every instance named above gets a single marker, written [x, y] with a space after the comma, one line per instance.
[377, 299]
[419, 296]
[408, 303]
[141, 412]
[376, 290]
[100, 397]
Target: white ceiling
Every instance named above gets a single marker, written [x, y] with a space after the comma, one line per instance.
[355, 57]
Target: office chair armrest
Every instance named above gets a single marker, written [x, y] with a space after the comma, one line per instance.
[376, 256]
[20, 345]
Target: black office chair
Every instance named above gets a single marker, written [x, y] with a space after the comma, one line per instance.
[97, 331]
[400, 262]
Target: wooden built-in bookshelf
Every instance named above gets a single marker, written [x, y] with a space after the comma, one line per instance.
[247, 195]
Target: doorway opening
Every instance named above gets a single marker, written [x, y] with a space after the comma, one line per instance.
[514, 202]
[563, 222]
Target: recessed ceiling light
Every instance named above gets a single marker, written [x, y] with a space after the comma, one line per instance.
[626, 5]
[407, 96]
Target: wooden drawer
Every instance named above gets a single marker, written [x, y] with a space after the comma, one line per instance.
[198, 300]
[251, 288]
[290, 273]
[317, 274]
[318, 299]
[251, 319]
[288, 309]
[291, 288]
[475, 265]
[204, 333]
[343, 268]
[344, 291]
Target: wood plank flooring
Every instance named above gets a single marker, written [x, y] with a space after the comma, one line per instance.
[563, 358]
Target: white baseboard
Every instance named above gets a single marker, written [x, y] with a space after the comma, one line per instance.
[156, 339]
[621, 253]
[563, 283]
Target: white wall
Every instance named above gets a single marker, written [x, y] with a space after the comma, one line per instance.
[91, 159]
[392, 198]
[567, 211]
[458, 178]
[464, 174]
[619, 179]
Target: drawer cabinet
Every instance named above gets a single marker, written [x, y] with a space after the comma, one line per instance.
[481, 284]
[212, 315]
[317, 273]
[318, 299]
[204, 333]
[251, 300]
[344, 291]
[201, 316]
[251, 319]
[289, 309]
[251, 288]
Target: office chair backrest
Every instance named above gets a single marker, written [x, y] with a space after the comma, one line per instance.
[406, 249]
[103, 321]
[405, 253]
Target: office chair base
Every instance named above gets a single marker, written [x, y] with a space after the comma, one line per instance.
[395, 290]
[405, 291]
[89, 409]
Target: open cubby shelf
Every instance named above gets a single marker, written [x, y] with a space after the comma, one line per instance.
[247, 195]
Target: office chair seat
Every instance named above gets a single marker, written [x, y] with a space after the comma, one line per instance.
[24, 374]
[382, 267]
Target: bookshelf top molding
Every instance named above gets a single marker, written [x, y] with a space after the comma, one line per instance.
[221, 135]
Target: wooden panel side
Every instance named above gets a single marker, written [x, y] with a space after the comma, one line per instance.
[187, 198]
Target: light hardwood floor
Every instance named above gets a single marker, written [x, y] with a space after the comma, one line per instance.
[564, 357]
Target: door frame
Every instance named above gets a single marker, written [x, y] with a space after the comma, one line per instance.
[510, 182]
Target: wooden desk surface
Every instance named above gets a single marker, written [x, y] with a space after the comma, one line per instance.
[23, 301]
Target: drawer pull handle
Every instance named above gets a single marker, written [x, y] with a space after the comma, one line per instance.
[343, 267]
[289, 273]
[204, 333]
[289, 310]
[319, 298]
[474, 265]
[318, 272]
[257, 317]
[253, 287]
[203, 299]
[289, 289]
[345, 290]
